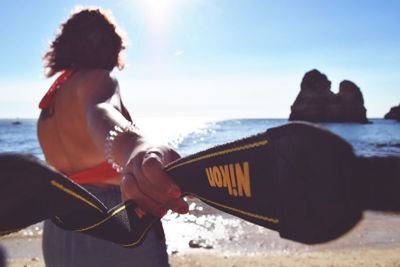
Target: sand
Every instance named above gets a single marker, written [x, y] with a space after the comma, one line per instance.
[363, 257]
[353, 258]
[209, 238]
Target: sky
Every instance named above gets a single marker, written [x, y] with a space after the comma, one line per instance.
[215, 58]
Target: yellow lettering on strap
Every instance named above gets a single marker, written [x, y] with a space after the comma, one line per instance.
[226, 178]
[243, 179]
[217, 176]
[210, 177]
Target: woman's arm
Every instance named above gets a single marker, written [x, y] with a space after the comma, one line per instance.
[144, 180]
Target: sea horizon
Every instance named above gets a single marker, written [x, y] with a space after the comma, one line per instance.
[203, 117]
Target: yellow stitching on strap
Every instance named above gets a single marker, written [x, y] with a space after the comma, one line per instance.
[104, 220]
[74, 194]
[113, 214]
[143, 234]
[253, 215]
[222, 152]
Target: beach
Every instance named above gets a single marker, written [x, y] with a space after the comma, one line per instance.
[206, 237]
[360, 257]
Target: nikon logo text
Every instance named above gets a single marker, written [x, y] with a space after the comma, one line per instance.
[235, 177]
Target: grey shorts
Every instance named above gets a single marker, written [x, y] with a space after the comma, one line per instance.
[72, 249]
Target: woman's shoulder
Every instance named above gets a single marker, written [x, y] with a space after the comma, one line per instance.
[94, 75]
[96, 81]
[95, 78]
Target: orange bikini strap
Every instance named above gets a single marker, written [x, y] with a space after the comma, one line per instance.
[46, 100]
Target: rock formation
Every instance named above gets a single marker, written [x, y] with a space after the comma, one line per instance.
[317, 103]
[393, 114]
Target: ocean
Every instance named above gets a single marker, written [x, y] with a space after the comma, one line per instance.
[208, 227]
[190, 135]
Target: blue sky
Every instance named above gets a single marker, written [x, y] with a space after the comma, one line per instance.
[216, 58]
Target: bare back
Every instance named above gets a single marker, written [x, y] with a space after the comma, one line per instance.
[63, 129]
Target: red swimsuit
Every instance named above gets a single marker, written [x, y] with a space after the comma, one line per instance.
[101, 172]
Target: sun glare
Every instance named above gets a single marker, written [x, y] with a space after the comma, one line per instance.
[159, 14]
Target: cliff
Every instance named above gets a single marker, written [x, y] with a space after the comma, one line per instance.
[393, 114]
[317, 103]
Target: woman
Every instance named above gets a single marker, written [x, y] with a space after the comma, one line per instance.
[86, 133]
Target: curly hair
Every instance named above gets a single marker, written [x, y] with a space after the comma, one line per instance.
[88, 39]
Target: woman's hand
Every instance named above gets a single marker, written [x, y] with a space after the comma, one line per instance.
[147, 184]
